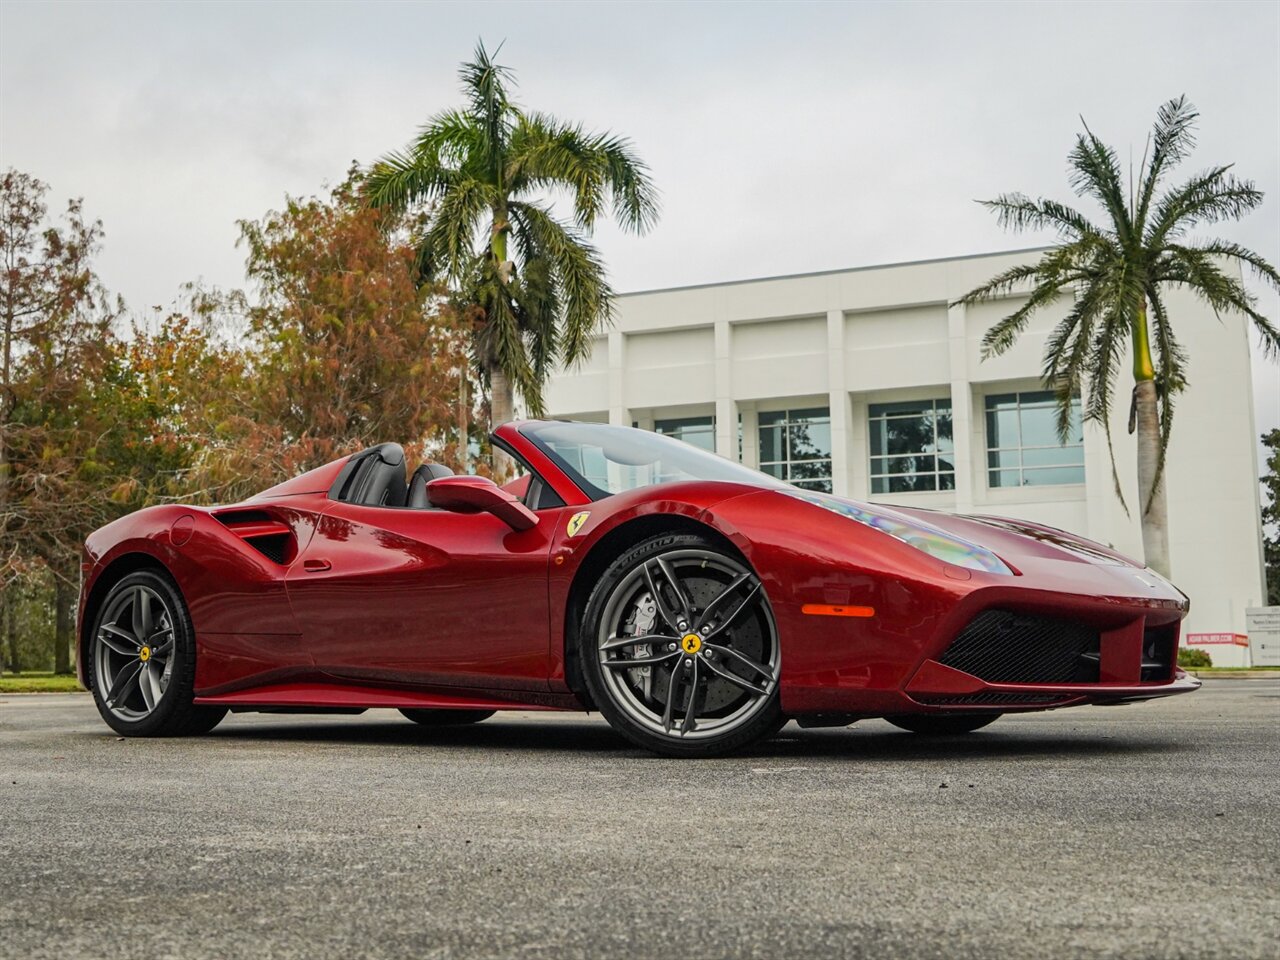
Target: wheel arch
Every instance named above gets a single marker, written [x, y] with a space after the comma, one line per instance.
[604, 552]
[115, 571]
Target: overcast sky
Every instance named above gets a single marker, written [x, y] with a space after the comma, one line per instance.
[784, 138]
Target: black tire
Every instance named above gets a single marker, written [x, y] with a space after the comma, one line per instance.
[174, 713]
[447, 718]
[943, 725]
[757, 717]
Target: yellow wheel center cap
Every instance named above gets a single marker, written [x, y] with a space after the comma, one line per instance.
[691, 643]
[144, 654]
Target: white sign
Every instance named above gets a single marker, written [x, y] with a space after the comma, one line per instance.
[1263, 624]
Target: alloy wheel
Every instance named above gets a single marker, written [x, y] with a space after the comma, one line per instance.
[687, 645]
[134, 656]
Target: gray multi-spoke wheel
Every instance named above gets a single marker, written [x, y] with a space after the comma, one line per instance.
[679, 648]
[142, 660]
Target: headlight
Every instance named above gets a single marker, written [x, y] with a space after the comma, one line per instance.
[936, 543]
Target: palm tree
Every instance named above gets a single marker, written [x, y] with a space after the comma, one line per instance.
[489, 172]
[1118, 273]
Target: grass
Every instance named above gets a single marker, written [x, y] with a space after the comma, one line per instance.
[39, 683]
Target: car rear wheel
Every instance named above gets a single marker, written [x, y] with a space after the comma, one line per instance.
[941, 725]
[142, 661]
[446, 718]
[679, 649]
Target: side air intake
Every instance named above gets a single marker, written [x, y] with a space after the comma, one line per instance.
[270, 537]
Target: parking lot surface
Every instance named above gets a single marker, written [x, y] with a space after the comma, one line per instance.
[1144, 831]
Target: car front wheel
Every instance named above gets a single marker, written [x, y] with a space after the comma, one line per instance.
[679, 649]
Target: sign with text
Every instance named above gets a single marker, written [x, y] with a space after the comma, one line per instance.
[1207, 639]
[1263, 624]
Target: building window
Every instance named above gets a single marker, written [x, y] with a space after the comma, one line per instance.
[1023, 449]
[795, 446]
[698, 431]
[911, 447]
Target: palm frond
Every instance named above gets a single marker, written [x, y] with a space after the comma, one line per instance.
[1018, 212]
[1094, 171]
[1210, 197]
[586, 300]
[597, 168]
[1172, 140]
[1067, 349]
[398, 180]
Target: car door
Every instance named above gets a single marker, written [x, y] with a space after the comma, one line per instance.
[426, 596]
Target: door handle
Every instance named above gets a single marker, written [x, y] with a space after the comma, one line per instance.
[316, 566]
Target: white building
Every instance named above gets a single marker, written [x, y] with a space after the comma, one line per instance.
[866, 383]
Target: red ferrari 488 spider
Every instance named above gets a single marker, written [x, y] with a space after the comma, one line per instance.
[695, 603]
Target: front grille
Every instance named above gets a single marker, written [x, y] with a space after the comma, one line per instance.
[1001, 646]
[983, 699]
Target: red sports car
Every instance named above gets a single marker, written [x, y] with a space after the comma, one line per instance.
[695, 603]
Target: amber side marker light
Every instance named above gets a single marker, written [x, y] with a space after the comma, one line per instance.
[828, 610]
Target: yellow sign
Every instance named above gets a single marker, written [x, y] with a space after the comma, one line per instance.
[144, 654]
[576, 522]
[691, 643]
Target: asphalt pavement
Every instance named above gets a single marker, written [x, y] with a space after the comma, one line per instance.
[1144, 831]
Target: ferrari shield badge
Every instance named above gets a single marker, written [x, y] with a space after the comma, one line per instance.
[576, 522]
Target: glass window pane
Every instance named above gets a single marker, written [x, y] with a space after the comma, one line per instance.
[773, 469]
[1002, 428]
[1003, 478]
[776, 416]
[1052, 456]
[823, 486]
[810, 470]
[919, 482]
[810, 440]
[879, 438]
[1047, 476]
[812, 413]
[1038, 427]
[1004, 458]
[1037, 396]
[910, 408]
[908, 435]
[946, 481]
[879, 485]
[771, 444]
[944, 430]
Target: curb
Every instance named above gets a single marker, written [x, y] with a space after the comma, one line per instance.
[1235, 674]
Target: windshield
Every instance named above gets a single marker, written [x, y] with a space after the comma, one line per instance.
[603, 460]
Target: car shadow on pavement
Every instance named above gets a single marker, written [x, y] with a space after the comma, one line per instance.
[587, 736]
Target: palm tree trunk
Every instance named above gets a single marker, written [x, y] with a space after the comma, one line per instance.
[501, 410]
[64, 624]
[1154, 512]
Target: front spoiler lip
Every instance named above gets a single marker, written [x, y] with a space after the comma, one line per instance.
[934, 679]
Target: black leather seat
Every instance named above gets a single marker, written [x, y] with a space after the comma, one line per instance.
[373, 477]
[418, 484]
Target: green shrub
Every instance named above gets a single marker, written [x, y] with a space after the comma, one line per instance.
[1191, 657]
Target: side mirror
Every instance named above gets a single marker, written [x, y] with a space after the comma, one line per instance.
[480, 494]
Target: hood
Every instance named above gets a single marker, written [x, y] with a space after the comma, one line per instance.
[991, 544]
